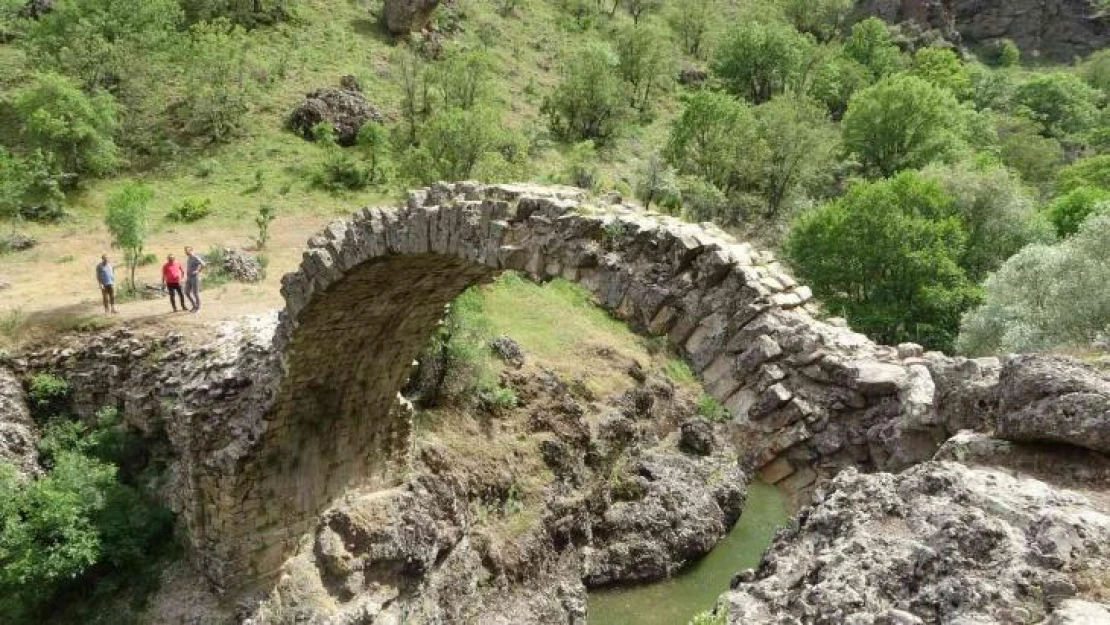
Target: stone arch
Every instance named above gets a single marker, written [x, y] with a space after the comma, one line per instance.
[371, 289]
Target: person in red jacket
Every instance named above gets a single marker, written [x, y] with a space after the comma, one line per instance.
[172, 273]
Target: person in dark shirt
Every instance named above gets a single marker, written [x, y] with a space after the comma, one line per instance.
[194, 265]
[106, 279]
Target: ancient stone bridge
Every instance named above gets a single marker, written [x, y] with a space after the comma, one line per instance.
[805, 395]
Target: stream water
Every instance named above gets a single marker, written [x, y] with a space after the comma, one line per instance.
[675, 601]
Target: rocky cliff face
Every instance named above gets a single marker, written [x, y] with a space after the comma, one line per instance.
[1054, 30]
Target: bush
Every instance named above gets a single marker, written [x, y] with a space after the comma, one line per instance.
[711, 409]
[758, 61]
[77, 527]
[589, 103]
[29, 188]
[647, 62]
[1093, 171]
[1046, 297]
[715, 138]
[213, 108]
[48, 392]
[54, 115]
[941, 67]
[871, 45]
[886, 256]
[190, 210]
[1068, 211]
[581, 169]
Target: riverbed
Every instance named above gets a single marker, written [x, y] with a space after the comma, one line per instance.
[675, 601]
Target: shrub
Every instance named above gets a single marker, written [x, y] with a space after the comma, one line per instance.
[48, 391]
[266, 215]
[941, 67]
[590, 100]
[190, 210]
[656, 182]
[646, 62]
[54, 115]
[701, 201]
[1068, 211]
[871, 45]
[1046, 297]
[29, 188]
[824, 19]
[1007, 53]
[1093, 171]
[711, 409]
[757, 61]
[581, 169]
[716, 139]
[692, 22]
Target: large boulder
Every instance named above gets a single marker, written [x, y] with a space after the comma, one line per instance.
[405, 16]
[672, 512]
[345, 108]
[939, 543]
[1054, 399]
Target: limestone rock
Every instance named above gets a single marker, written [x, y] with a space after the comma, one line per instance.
[240, 266]
[405, 16]
[346, 109]
[18, 434]
[939, 543]
[508, 350]
[1056, 399]
[679, 516]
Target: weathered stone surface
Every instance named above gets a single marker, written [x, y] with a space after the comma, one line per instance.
[508, 350]
[1056, 30]
[1045, 398]
[346, 109]
[696, 437]
[18, 434]
[939, 543]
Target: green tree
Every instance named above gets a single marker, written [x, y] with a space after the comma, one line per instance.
[54, 115]
[590, 99]
[757, 61]
[692, 22]
[416, 91]
[944, 69]
[801, 150]
[465, 77]
[886, 255]
[213, 107]
[1095, 69]
[1061, 102]
[997, 211]
[715, 138]
[1093, 171]
[646, 61]
[1045, 297]
[640, 8]
[901, 122]
[1068, 211]
[871, 45]
[1007, 54]
[824, 19]
[374, 145]
[834, 77]
[29, 188]
[127, 222]
[1022, 147]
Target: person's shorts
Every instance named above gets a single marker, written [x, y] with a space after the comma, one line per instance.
[110, 289]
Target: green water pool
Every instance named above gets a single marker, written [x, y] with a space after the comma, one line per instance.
[677, 600]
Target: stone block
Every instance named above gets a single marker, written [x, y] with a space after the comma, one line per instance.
[776, 471]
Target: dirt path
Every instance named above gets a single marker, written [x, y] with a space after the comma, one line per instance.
[51, 288]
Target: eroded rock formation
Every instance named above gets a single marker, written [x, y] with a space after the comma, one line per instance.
[1054, 30]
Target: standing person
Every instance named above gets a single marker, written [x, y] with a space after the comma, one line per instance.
[194, 265]
[106, 279]
[172, 272]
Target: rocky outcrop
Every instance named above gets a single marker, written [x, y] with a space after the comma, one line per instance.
[671, 519]
[402, 17]
[1053, 30]
[18, 434]
[1054, 399]
[345, 108]
[240, 266]
[939, 543]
